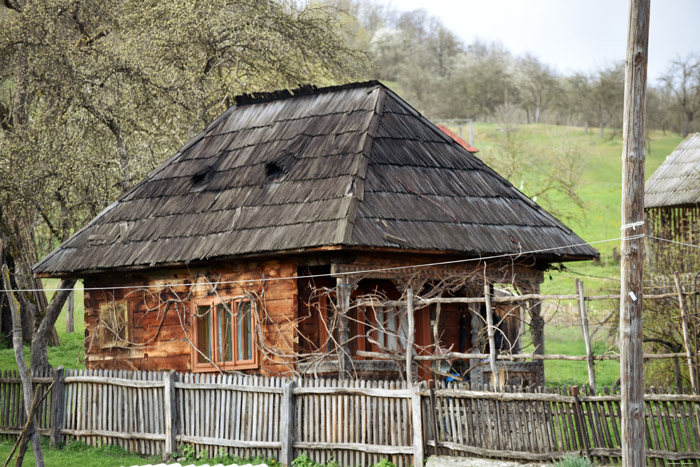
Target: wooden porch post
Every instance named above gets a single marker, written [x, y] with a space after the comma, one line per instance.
[532, 286]
[343, 291]
[410, 335]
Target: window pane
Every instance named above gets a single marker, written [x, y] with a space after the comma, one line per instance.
[245, 331]
[225, 337]
[204, 334]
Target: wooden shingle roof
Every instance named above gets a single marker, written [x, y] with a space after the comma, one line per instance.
[345, 166]
[677, 181]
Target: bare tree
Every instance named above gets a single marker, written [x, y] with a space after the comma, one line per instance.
[682, 82]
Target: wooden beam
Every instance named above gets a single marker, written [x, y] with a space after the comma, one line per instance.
[411, 331]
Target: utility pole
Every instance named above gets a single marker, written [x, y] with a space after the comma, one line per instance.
[632, 247]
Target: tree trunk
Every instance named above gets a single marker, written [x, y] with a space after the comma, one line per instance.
[21, 366]
[688, 120]
[40, 355]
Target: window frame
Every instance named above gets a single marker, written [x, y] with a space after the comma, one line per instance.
[216, 305]
[112, 308]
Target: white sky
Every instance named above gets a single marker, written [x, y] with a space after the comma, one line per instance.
[570, 35]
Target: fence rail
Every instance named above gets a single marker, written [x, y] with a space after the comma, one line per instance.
[351, 422]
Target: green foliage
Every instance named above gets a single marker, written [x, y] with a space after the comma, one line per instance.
[188, 453]
[95, 94]
[305, 461]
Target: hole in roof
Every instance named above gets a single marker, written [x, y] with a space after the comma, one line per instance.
[202, 177]
[274, 170]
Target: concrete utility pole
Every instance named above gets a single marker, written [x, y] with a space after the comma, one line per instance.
[632, 248]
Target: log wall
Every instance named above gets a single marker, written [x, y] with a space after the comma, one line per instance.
[160, 334]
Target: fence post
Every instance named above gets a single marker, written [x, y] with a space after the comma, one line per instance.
[170, 414]
[580, 423]
[433, 416]
[287, 424]
[59, 406]
[586, 334]
[417, 418]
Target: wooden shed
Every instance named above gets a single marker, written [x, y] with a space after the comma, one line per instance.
[275, 241]
[672, 206]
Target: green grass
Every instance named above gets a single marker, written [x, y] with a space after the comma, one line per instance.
[78, 455]
[71, 352]
[567, 340]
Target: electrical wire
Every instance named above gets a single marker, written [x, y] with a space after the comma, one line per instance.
[347, 273]
[674, 242]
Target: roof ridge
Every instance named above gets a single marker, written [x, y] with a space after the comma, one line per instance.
[302, 90]
[347, 219]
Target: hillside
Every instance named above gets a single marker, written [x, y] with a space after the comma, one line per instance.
[599, 167]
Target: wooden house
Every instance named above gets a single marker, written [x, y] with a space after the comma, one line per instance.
[672, 206]
[275, 240]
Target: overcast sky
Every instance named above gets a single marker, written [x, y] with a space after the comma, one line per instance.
[570, 35]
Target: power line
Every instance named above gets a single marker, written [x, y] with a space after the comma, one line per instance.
[348, 273]
[675, 242]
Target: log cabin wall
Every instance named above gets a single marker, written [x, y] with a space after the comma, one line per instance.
[158, 334]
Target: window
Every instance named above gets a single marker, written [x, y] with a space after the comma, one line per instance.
[387, 327]
[224, 335]
[113, 324]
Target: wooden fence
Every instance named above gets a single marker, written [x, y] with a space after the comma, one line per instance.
[539, 426]
[351, 422]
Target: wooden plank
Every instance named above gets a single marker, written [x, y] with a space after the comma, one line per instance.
[287, 424]
[58, 405]
[501, 396]
[356, 391]
[129, 383]
[170, 412]
[416, 420]
[520, 455]
[369, 448]
[114, 434]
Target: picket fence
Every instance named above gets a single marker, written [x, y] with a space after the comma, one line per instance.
[352, 422]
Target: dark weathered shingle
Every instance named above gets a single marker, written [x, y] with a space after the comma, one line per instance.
[350, 166]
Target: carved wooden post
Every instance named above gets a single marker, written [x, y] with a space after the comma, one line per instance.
[492, 339]
[632, 246]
